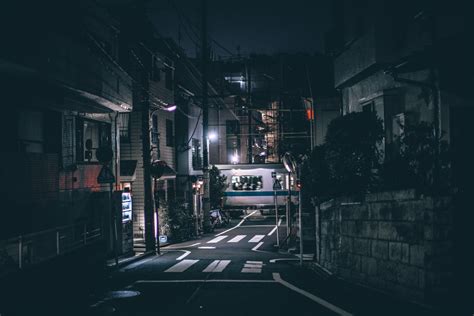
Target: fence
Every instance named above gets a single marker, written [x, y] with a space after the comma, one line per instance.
[31, 249]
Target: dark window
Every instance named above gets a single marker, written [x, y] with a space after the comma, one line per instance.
[196, 154]
[156, 71]
[368, 107]
[91, 135]
[169, 133]
[170, 190]
[169, 78]
[154, 130]
[232, 127]
[124, 127]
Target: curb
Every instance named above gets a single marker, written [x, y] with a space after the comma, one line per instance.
[128, 260]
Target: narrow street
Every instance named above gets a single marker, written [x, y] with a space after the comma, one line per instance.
[236, 271]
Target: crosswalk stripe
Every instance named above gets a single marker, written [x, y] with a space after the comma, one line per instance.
[211, 266]
[237, 238]
[252, 267]
[217, 266]
[256, 238]
[181, 266]
[221, 266]
[251, 270]
[216, 240]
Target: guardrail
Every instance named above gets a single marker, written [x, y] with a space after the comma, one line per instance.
[31, 249]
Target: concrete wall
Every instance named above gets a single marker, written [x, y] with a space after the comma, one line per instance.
[394, 242]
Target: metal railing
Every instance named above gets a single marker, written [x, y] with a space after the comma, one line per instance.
[31, 249]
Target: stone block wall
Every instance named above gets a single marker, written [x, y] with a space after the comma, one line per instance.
[392, 241]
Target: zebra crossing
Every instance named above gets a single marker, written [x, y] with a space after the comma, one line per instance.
[236, 239]
[215, 266]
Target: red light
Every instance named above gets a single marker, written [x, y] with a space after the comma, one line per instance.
[310, 114]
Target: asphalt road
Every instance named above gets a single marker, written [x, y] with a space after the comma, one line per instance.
[235, 271]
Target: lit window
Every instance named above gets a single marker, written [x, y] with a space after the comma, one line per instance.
[91, 135]
[247, 183]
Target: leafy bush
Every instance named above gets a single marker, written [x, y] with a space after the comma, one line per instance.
[217, 184]
[315, 174]
[181, 222]
[351, 152]
[415, 167]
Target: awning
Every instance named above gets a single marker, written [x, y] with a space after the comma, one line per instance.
[128, 170]
[168, 173]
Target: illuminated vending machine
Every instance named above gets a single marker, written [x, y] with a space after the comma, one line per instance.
[124, 222]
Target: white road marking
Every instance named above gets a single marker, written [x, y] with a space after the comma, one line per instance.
[181, 266]
[211, 266]
[136, 264]
[334, 308]
[251, 270]
[206, 281]
[179, 247]
[289, 259]
[252, 267]
[216, 240]
[238, 225]
[257, 246]
[274, 228]
[206, 247]
[237, 238]
[257, 238]
[272, 231]
[217, 266]
[186, 253]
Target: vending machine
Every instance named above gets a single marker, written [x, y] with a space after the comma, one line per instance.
[124, 221]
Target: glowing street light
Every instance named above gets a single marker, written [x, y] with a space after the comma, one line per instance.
[212, 136]
[234, 159]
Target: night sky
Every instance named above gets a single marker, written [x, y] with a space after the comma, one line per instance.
[263, 26]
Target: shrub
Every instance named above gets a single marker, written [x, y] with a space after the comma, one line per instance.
[415, 167]
[352, 153]
[315, 174]
[181, 222]
[217, 184]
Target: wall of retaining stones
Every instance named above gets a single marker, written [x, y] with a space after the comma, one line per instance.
[392, 241]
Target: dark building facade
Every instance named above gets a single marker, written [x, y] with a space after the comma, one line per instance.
[62, 90]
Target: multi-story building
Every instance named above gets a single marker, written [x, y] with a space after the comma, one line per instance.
[398, 60]
[148, 133]
[62, 91]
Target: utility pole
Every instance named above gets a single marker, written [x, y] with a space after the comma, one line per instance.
[205, 120]
[149, 205]
[249, 113]
[312, 131]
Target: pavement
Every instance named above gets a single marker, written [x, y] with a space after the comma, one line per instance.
[233, 271]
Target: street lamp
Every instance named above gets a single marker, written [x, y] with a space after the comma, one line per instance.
[212, 136]
[234, 159]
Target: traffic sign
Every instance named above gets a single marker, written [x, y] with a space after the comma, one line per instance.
[276, 185]
[105, 175]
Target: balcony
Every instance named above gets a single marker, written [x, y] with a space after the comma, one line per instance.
[75, 67]
[87, 71]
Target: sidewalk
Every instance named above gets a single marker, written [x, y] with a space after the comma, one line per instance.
[358, 299]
